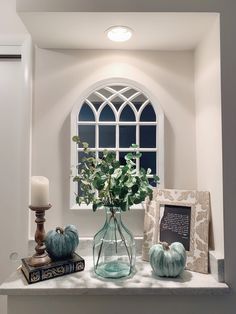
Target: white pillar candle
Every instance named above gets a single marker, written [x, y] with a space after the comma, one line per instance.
[39, 191]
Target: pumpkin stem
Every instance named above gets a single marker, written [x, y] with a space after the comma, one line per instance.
[59, 230]
[165, 245]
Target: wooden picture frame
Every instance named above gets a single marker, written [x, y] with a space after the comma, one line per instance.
[185, 219]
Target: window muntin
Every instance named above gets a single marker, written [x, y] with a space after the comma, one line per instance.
[122, 115]
[121, 118]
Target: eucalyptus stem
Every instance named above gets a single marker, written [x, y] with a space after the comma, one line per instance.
[100, 249]
[115, 223]
[109, 189]
[123, 239]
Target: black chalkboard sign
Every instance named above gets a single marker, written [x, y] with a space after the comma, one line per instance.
[175, 225]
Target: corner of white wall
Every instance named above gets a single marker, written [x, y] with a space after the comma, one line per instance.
[209, 128]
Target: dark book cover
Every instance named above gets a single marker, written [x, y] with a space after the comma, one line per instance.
[55, 269]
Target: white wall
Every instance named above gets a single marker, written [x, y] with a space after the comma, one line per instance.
[196, 304]
[10, 76]
[11, 26]
[208, 128]
[61, 76]
[13, 149]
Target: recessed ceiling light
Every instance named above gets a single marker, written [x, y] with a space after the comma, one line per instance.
[119, 33]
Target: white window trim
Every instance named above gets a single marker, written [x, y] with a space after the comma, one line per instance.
[74, 120]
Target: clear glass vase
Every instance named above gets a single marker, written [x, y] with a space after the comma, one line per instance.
[113, 247]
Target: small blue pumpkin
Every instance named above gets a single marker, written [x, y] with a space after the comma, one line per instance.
[61, 243]
[167, 261]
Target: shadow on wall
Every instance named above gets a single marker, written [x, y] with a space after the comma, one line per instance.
[211, 233]
[169, 154]
[65, 141]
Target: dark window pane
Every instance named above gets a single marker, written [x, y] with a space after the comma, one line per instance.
[117, 87]
[117, 99]
[148, 114]
[105, 92]
[117, 102]
[127, 135]
[86, 113]
[148, 136]
[140, 97]
[137, 104]
[107, 136]
[95, 100]
[129, 93]
[97, 104]
[79, 191]
[87, 134]
[127, 114]
[107, 114]
[117, 105]
[122, 158]
[100, 154]
[148, 160]
[81, 156]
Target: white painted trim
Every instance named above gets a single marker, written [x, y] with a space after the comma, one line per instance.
[10, 49]
[27, 68]
[120, 122]
[103, 84]
[24, 47]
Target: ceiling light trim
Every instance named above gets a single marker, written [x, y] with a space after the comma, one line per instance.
[119, 33]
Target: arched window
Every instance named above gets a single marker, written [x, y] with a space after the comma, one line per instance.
[114, 117]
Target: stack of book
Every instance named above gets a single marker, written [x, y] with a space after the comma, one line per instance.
[54, 269]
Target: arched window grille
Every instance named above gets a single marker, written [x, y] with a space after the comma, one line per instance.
[116, 116]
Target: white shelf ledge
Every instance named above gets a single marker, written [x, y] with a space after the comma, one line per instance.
[143, 282]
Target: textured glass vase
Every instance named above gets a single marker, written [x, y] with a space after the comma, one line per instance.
[113, 247]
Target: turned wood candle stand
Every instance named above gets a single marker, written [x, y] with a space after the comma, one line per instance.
[40, 258]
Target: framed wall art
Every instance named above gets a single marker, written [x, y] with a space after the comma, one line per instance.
[179, 216]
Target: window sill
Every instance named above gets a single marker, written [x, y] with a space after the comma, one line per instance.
[143, 282]
[86, 207]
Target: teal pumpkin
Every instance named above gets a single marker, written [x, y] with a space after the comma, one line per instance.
[167, 261]
[61, 243]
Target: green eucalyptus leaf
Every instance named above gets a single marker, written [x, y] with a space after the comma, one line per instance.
[110, 156]
[111, 170]
[116, 190]
[123, 192]
[116, 164]
[123, 206]
[138, 200]
[104, 168]
[125, 169]
[135, 188]
[85, 144]
[129, 156]
[77, 199]
[98, 183]
[96, 205]
[117, 173]
[76, 139]
[129, 183]
[76, 179]
[85, 182]
[156, 178]
[104, 181]
[138, 155]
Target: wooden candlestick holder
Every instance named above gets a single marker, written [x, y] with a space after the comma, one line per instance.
[40, 258]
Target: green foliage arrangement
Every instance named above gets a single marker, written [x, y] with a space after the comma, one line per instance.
[105, 182]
